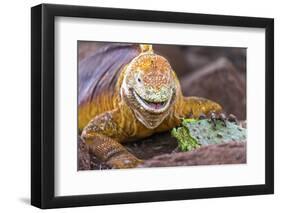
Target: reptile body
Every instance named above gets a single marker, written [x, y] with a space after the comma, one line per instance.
[127, 92]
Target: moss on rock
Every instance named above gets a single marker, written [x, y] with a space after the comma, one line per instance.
[195, 133]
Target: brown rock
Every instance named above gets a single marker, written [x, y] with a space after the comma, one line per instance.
[84, 159]
[226, 153]
[197, 57]
[219, 81]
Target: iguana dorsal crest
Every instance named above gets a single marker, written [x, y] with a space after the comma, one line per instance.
[146, 48]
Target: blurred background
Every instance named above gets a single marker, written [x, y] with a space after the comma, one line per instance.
[217, 73]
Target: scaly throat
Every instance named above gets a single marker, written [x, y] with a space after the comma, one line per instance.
[150, 121]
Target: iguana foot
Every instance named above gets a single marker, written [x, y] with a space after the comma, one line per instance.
[218, 117]
[102, 136]
[111, 152]
[214, 117]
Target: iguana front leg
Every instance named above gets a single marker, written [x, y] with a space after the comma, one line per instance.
[102, 136]
[195, 107]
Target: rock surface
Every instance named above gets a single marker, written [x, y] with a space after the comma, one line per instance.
[197, 57]
[225, 153]
[161, 150]
[219, 81]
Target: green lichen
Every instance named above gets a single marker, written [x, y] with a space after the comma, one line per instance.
[185, 141]
[195, 133]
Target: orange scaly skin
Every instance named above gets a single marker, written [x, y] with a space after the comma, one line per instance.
[147, 99]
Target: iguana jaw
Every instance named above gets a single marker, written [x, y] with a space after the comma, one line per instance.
[149, 118]
[154, 107]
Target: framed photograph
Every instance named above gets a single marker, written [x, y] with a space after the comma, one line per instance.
[140, 106]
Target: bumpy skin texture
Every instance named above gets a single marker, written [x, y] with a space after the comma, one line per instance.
[127, 92]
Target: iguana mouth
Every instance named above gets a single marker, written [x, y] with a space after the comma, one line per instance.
[151, 106]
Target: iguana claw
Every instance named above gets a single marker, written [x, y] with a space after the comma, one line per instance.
[218, 117]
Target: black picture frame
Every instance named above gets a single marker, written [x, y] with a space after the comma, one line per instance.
[43, 110]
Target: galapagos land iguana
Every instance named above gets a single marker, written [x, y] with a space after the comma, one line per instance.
[127, 92]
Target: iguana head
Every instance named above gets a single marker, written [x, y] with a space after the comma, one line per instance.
[149, 87]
